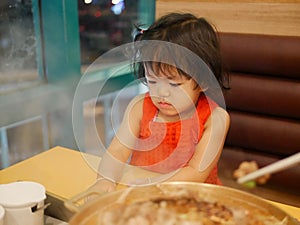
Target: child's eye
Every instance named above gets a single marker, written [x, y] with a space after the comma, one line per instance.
[175, 84]
[151, 82]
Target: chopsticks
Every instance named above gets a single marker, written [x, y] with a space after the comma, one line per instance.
[280, 165]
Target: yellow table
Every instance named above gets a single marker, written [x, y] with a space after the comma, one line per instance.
[66, 173]
[63, 172]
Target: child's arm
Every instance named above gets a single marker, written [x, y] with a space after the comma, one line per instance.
[118, 152]
[208, 150]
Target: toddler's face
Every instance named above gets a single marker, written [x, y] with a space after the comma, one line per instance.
[174, 95]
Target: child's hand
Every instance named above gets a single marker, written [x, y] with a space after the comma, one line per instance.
[100, 187]
[104, 185]
[140, 181]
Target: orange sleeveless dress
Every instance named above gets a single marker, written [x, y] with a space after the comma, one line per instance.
[166, 147]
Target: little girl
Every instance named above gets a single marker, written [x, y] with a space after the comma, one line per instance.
[176, 130]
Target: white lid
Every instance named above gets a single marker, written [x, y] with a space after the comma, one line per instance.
[20, 194]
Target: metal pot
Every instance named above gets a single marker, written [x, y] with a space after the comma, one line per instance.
[87, 214]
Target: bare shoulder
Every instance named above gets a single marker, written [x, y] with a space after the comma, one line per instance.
[221, 112]
[131, 121]
[138, 100]
[220, 116]
[135, 106]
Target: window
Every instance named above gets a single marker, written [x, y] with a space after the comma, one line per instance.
[43, 47]
[39, 44]
[105, 24]
[18, 65]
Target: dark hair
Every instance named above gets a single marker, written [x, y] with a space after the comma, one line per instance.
[196, 34]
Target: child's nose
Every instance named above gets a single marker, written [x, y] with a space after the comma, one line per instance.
[163, 91]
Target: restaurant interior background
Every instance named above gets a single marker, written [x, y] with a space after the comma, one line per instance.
[46, 47]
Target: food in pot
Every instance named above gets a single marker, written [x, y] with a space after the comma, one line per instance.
[181, 209]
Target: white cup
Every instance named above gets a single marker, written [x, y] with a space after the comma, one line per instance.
[23, 203]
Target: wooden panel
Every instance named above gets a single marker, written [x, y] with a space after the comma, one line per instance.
[260, 17]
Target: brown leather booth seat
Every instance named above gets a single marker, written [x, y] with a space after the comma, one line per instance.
[263, 102]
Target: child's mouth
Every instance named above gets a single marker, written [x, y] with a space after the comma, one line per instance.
[164, 104]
